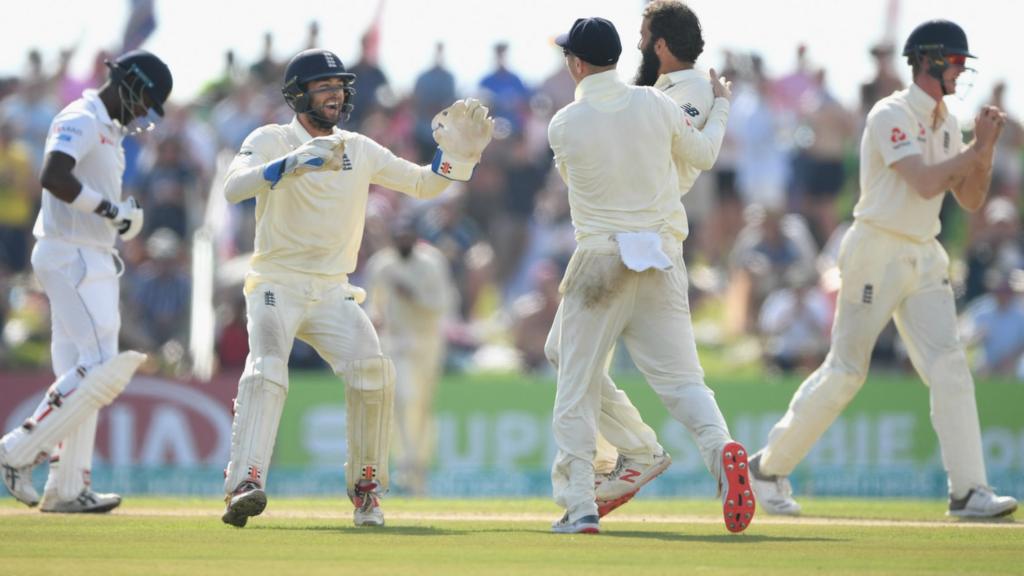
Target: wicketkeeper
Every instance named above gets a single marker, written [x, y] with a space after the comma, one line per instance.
[311, 182]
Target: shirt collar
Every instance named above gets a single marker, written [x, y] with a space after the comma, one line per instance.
[598, 85]
[666, 81]
[301, 132]
[925, 105]
[92, 99]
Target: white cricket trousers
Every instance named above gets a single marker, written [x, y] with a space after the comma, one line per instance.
[621, 429]
[82, 286]
[419, 360]
[887, 276]
[603, 300]
[280, 308]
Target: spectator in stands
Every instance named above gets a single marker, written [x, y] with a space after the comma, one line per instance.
[433, 92]
[794, 323]
[994, 324]
[772, 245]
[18, 189]
[506, 94]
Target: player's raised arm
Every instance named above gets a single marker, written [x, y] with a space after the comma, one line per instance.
[700, 148]
[462, 132]
[971, 192]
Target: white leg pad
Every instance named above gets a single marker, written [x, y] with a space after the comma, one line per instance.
[70, 401]
[261, 394]
[369, 401]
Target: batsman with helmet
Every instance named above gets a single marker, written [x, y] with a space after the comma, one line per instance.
[892, 266]
[81, 216]
[311, 182]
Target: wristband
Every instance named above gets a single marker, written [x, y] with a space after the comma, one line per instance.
[88, 200]
[446, 166]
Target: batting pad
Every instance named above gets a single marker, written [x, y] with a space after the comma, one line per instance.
[370, 402]
[261, 394]
[69, 405]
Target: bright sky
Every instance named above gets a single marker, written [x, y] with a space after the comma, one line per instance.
[193, 35]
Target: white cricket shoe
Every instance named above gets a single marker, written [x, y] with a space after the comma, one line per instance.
[981, 502]
[775, 493]
[584, 525]
[617, 487]
[87, 502]
[367, 506]
[247, 500]
[18, 481]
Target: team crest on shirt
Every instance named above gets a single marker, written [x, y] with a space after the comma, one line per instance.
[898, 138]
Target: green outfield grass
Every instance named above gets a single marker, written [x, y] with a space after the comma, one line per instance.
[315, 536]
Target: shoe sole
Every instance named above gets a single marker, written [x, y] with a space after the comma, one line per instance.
[604, 507]
[739, 503]
[239, 511]
[586, 529]
[961, 514]
[94, 510]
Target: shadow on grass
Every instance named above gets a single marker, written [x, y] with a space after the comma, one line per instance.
[717, 538]
[371, 531]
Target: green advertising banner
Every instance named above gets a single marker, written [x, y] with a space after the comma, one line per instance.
[494, 436]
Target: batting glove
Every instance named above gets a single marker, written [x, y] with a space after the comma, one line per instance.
[126, 216]
[322, 153]
[461, 131]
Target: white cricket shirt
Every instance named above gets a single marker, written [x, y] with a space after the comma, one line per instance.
[691, 90]
[84, 131]
[614, 147]
[901, 125]
[313, 223]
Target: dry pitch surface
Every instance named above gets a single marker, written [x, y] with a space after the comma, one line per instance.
[316, 536]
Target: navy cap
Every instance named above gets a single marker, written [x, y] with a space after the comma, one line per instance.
[593, 40]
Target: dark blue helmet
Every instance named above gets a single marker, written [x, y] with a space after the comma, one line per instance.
[139, 72]
[941, 36]
[314, 64]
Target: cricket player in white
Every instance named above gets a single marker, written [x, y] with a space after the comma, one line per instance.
[628, 450]
[614, 146]
[311, 182]
[892, 266]
[411, 294]
[74, 259]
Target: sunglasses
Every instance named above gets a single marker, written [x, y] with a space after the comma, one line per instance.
[957, 60]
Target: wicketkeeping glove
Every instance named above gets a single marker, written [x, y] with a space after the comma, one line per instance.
[321, 153]
[461, 131]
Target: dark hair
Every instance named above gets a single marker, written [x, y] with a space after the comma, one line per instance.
[678, 25]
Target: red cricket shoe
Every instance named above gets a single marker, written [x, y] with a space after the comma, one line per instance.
[738, 502]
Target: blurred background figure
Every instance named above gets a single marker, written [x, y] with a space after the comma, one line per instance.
[433, 92]
[410, 296]
[993, 326]
[884, 82]
[794, 323]
[506, 94]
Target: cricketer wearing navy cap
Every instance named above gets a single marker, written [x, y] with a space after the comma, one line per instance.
[616, 147]
[593, 40]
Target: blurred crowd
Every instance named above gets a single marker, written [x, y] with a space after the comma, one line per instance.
[766, 222]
